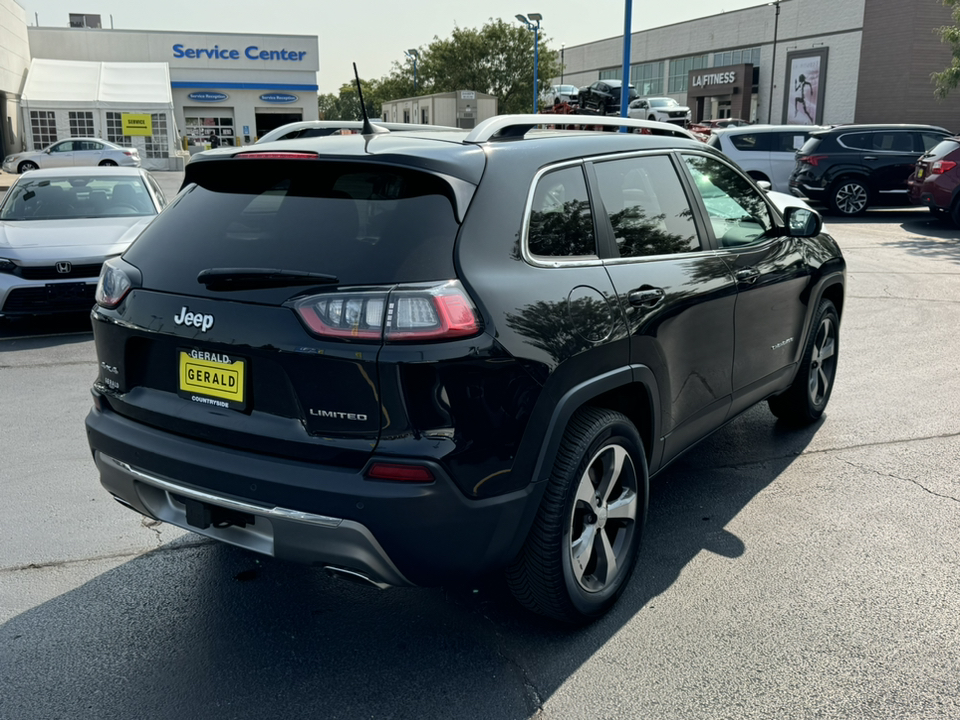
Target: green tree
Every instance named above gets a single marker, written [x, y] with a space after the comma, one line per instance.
[497, 60]
[950, 77]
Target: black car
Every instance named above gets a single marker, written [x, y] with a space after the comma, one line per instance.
[415, 358]
[851, 167]
[603, 96]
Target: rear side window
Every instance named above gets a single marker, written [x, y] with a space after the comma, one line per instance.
[646, 206]
[751, 142]
[561, 224]
[788, 141]
[938, 144]
[857, 141]
[363, 223]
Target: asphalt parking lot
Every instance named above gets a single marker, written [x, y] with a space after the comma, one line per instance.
[785, 573]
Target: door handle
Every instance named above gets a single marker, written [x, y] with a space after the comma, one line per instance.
[645, 297]
[748, 275]
[869, 157]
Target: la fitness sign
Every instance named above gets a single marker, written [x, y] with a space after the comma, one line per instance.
[708, 79]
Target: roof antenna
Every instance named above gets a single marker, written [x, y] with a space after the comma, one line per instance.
[368, 127]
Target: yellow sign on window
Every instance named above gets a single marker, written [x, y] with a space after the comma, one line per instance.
[137, 124]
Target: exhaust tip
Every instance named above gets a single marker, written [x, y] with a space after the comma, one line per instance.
[354, 577]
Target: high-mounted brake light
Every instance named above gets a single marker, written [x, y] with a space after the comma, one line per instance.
[812, 159]
[405, 313]
[942, 166]
[402, 473]
[277, 156]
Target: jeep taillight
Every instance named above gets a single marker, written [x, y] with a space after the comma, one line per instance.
[404, 313]
[112, 287]
[942, 166]
[813, 160]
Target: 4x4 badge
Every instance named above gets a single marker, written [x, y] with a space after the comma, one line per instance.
[198, 320]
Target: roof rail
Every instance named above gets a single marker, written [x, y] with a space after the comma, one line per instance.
[503, 126]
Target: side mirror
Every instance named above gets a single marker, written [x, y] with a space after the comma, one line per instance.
[764, 185]
[802, 222]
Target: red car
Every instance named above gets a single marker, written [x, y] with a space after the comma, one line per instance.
[706, 127]
[935, 181]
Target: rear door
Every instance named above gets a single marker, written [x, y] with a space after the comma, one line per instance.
[87, 152]
[783, 156]
[751, 151]
[891, 158]
[677, 296]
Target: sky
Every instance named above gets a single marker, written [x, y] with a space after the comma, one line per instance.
[376, 35]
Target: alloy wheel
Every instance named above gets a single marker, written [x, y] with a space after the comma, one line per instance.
[851, 198]
[822, 361]
[603, 518]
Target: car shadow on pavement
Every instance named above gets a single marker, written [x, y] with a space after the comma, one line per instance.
[198, 629]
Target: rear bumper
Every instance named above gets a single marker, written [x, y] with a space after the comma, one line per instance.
[389, 532]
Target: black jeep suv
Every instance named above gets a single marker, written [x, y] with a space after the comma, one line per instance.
[851, 167]
[413, 358]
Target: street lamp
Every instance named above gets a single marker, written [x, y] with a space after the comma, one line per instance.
[562, 47]
[414, 55]
[773, 64]
[536, 18]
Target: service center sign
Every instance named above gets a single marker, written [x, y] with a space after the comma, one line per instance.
[251, 52]
[135, 124]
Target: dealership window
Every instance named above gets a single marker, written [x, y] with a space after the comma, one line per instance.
[81, 124]
[648, 78]
[613, 74]
[737, 57]
[198, 129]
[158, 145]
[115, 128]
[680, 71]
[43, 125]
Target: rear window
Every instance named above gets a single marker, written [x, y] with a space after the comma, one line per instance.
[810, 146]
[361, 222]
[944, 148]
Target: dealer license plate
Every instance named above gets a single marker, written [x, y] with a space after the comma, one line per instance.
[919, 173]
[214, 379]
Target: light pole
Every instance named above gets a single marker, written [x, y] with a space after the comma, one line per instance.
[562, 47]
[535, 26]
[414, 55]
[773, 64]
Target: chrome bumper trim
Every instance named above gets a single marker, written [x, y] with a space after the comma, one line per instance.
[275, 512]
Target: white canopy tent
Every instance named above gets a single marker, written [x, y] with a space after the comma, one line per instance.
[66, 98]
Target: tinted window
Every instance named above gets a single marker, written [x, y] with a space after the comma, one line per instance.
[787, 141]
[748, 142]
[894, 141]
[857, 141]
[561, 224]
[362, 223]
[647, 208]
[737, 212]
[932, 140]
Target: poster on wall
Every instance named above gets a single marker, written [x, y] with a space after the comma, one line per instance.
[804, 88]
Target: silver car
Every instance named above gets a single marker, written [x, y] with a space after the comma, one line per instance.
[58, 226]
[73, 152]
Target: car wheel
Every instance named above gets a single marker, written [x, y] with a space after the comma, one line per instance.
[583, 544]
[26, 165]
[108, 163]
[849, 196]
[806, 399]
[652, 117]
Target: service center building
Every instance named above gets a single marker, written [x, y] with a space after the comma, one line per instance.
[237, 86]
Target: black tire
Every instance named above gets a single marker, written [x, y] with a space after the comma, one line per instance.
[806, 399]
[108, 163]
[849, 196]
[546, 577]
[652, 117]
[26, 166]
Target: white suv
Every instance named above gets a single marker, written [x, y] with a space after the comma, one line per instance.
[664, 109]
[764, 152]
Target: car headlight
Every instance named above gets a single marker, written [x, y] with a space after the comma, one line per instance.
[7, 265]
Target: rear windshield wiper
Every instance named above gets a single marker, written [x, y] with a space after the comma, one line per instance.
[225, 279]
